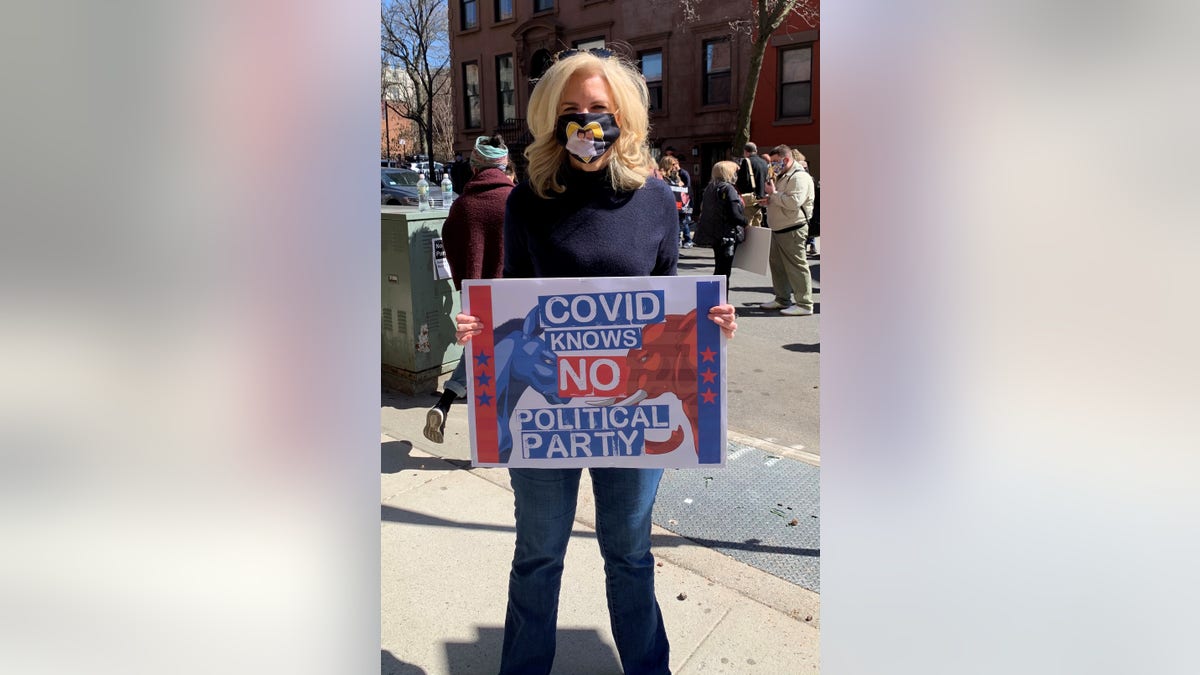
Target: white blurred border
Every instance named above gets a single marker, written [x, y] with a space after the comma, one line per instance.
[1007, 348]
[190, 407]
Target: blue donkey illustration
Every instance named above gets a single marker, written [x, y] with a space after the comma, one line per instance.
[523, 360]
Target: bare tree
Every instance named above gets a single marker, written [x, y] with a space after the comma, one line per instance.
[415, 46]
[443, 121]
[766, 17]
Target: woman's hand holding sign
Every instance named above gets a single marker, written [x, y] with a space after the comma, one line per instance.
[724, 316]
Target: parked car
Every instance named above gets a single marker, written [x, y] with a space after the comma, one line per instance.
[423, 167]
[398, 187]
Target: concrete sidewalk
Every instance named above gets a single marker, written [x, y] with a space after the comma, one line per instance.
[447, 542]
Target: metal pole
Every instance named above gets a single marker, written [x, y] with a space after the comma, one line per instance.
[387, 131]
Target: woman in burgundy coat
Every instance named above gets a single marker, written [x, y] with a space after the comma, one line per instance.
[473, 235]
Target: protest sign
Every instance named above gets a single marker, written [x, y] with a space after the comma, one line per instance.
[441, 266]
[626, 372]
[753, 254]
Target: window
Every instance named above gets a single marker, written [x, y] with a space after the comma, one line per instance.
[716, 71]
[543, 5]
[651, 66]
[504, 10]
[470, 14]
[590, 43]
[505, 87]
[795, 82]
[471, 115]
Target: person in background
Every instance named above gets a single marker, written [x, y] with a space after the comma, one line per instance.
[669, 171]
[460, 173]
[789, 202]
[812, 246]
[683, 175]
[800, 159]
[752, 182]
[473, 235]
[814, 225]
[598, 218]
[721, 216]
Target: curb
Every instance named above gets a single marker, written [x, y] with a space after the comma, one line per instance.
[774, 448]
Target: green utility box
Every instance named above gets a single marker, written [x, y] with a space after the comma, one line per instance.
[417, 323]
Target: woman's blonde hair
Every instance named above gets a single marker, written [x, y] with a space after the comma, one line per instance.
[724, 171]
[667, 163]
[630, 160]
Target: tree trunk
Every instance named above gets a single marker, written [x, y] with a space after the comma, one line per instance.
[429, 136]
[769, 15]
[758, 49]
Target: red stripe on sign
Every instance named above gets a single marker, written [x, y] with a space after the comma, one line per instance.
[483, 353]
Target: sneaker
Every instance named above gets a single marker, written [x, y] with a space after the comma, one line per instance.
[774, 304]
[688, 244]
[796, 310]
[435, 422]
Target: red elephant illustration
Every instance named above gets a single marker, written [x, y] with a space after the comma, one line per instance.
[666, 363]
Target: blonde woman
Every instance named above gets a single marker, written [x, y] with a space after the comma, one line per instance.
[583, 216]
[722, 217]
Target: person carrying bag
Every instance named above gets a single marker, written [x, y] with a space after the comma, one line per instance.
[722, 218]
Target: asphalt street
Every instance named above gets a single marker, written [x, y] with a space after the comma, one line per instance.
[774, 361]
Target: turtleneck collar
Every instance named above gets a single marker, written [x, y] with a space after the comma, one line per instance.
[569, 175]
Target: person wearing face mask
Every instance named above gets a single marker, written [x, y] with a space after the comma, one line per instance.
[789, 202]
[473, 235]
[670, 172]
[577, 215]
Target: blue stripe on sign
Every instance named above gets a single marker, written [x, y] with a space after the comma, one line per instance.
[708, 341]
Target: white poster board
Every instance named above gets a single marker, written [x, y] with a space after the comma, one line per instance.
[618, 372]
[752, 254]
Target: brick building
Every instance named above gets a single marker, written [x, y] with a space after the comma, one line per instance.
[695, 71]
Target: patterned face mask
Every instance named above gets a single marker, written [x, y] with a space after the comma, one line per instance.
[587, 136]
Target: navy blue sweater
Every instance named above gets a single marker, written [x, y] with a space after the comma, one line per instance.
[590, 230]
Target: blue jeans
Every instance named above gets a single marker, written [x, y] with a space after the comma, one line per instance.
[458, 379]
[545, 509]
[685, 228]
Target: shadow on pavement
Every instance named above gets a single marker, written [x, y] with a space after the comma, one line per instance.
[403, 402]
[395, 456]
[390, 665]
[748, 545]
[399, 515]
[579, 651]
[801, 347]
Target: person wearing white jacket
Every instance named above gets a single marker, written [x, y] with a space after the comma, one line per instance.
[789, 201]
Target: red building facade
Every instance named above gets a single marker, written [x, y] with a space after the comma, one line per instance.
[695, 70]
[787, 105]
